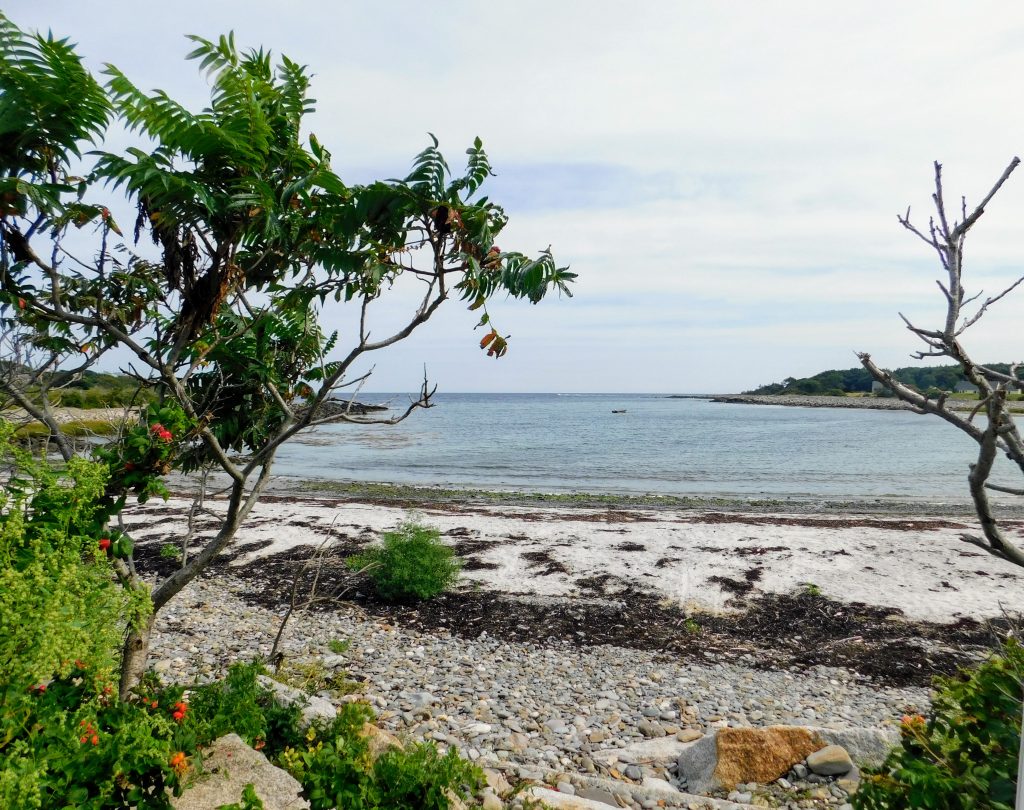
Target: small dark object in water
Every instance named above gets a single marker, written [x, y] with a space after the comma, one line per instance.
[622, 411]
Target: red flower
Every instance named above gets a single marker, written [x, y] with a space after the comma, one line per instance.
[179, 710]
[162, 433]
[105, 544]
[179, 762]
[95, 739]
[128, 466]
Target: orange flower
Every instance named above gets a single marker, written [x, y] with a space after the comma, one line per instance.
[179, 762]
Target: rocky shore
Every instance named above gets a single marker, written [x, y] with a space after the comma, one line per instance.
[587, 649]
[545, 711]
[870, 403]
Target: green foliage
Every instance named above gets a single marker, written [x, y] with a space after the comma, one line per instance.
[421, 778]
[335, 765]
[57, 599]
[169, 551]
[239, 704]
[412, 563]
[79, 746]
[250, 801]
[336, 769]
[965, 754]
[146, 452]
[49, 105]
[853, 380]
[65, 739]
[339, 646]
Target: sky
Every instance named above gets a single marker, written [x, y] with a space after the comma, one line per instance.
[724, 177]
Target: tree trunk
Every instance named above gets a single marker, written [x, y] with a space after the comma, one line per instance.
[134, 654]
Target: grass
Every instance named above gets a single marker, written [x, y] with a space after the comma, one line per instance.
[75, 428]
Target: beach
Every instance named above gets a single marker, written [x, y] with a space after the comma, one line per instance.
[580, 632]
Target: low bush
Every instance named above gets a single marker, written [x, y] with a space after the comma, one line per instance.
[412, 563]
[964, 755]
[67, 740]
[336, 769]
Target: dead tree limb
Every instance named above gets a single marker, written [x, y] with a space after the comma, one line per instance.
[998, 432]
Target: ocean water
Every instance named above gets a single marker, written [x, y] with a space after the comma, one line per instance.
[573, 442]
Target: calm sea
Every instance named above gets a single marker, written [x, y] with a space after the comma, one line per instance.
[574, 442]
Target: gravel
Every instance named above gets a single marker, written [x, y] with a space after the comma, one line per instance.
[529, 709]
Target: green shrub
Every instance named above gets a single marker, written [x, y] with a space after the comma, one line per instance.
[65, 738]
[238, 704]
[336, 769]
[421, 778]
[411, 564]
[964, 755]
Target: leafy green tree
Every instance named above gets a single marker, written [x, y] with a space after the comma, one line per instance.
[255, 238]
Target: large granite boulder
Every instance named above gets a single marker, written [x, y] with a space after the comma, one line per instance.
[734, 756]
[228, 766]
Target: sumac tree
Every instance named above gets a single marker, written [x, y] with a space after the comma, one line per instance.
[254, 238]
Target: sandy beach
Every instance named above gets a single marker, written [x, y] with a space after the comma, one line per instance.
[699, 560]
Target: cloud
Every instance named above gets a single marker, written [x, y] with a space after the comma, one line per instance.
[723, 177]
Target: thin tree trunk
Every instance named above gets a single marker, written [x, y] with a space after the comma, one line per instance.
[980, 471]
[134, 655]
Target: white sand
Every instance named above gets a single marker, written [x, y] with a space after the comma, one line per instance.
[927, 572]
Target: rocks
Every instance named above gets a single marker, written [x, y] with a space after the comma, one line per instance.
[537, 708]
[230, 765]
[598, 795]
[832, 760]
[736, 755]
[313, 707]
[379, 740]
[867, 747]
[650, 729]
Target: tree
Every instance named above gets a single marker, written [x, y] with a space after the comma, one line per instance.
[997, 431]
[254, 238]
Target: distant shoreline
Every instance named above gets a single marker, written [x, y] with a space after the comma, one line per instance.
[800, 401]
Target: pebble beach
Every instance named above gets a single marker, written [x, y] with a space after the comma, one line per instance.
[543, 705]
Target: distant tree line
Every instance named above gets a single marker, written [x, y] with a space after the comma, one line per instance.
[85, 389]
[853, 380]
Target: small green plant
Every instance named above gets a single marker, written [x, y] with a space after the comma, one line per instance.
[339, 646]
[336, 769]
[240, 704]
[411, 564]
[811, 589]
[420, 777]
[964, 755]
[169, 551]
[692, 626]
[250, 801]
[313, 677]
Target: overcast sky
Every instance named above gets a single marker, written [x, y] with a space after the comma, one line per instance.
[724, 177]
